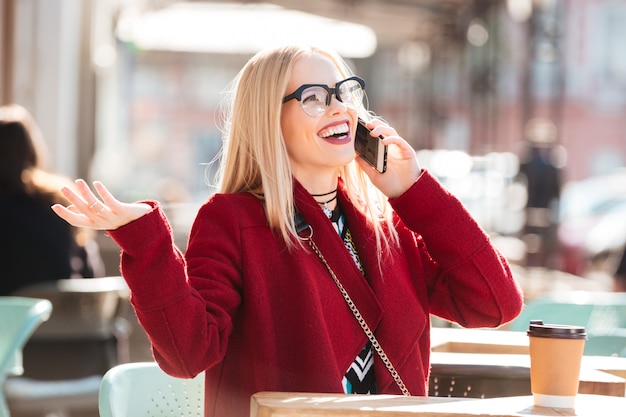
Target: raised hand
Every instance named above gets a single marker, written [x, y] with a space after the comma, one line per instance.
[403, 169]
[104, 213]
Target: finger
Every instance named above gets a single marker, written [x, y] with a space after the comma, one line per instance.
[75, 199]
[85, 192]
[372, 124]
[106, 196]
[86, 209]
[384, 130]
[102, 210]
[402, 148]
[76, 219]
[98, 207]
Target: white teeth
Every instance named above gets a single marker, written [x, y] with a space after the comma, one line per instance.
[335, 130]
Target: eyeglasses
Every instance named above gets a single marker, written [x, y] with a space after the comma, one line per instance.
[315, 98]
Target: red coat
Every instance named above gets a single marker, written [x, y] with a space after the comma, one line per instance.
[257, 317]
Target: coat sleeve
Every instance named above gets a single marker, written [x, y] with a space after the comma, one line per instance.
[170, 302]
[469, 281]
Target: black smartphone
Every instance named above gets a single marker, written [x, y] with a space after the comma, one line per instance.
[370, 147]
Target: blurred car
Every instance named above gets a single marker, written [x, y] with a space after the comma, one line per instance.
[592, 223]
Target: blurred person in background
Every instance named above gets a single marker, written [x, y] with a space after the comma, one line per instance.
[35, 245]
[542, 176]
[619, 277]
[258, 302]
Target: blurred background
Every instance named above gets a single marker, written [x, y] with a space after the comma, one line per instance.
[516, 105]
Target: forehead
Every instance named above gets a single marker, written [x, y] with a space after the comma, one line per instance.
[314, 69]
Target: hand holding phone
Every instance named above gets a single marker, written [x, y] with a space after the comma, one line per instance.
[370, 148]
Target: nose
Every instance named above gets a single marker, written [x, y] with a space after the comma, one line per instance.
[335, 105]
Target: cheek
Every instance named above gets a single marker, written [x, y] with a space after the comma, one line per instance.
[288, 119]
[296, 128]
[296, 143]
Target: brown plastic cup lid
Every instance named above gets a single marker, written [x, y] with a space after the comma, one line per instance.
[556, 331]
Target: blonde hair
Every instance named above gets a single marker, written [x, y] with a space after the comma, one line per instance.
[254, 157]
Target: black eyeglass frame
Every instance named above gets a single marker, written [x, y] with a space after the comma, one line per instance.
[330, 90]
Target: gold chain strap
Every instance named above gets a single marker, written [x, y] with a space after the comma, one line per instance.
[361, 320]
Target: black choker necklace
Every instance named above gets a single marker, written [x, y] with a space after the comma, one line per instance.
[323, 203]
[325, 194]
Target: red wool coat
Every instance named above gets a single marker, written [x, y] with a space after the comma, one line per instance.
[257, 317]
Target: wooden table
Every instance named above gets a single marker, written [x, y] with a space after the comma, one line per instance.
[486, 352]
[478, 341]
[274, 404]
[456, 340]
[510, 369]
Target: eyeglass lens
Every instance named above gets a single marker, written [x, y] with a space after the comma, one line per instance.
[315, 99]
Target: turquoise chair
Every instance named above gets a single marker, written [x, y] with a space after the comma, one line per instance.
[602, 314]
[143, 389]
[609, 343]
[20, 318]
[67, 356]
[597, 311]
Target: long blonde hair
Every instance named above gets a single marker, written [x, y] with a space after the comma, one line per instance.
[254, 157]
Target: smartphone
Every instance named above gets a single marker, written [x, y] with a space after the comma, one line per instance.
[370, 147]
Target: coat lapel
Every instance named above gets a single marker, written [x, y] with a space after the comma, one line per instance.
[333, 249]
[399, 336]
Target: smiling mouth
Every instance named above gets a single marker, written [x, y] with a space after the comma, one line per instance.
[335, 132]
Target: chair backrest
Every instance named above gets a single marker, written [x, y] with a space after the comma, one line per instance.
[20, 317]
[603, 314]
[143, 389]
[83, 307]
[478, 381]
[595, 310]
[609, 343]
[80, 338]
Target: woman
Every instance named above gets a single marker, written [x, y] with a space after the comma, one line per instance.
[35, 245]
[250, 303]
